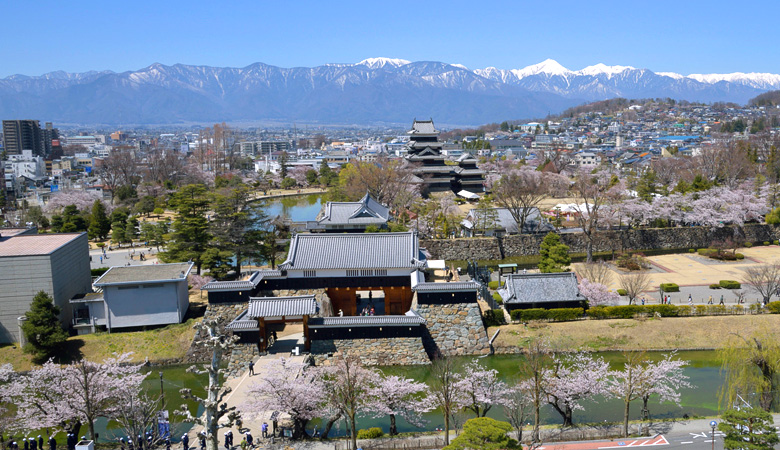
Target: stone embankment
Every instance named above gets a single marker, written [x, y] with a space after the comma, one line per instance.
[491, 248]
[454, 330]
[403, 351]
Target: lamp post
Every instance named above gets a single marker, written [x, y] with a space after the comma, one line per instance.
[713, 424]
[162, 396]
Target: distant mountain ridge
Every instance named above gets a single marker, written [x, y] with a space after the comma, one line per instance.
[375, 90]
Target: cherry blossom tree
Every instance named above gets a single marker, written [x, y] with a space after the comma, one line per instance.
[664, 378]
[290, 387]
[63, 397]
[82, 199]
[347, 384]
[299, 175]
[571, 379]
[211, 336]
[516, 403]
[443, 393]
[597, 294]
[641, 378]
[480, 389]
[137, 413]
[395, 395]
[7, 387]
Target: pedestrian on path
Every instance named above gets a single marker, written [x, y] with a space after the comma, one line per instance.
[264, 430]
[709, 302]
[251, 369]
[721, 300]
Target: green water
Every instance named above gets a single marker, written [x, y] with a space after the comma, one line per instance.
[703, 370]
[704, 373]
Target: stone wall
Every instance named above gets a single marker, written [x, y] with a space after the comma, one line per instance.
[226, 312]
[404, 351]
[240, 357]
[605, 241]
[454, 329]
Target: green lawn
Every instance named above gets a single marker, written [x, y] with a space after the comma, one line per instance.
[158, 344]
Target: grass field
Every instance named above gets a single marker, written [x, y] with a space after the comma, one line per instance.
[711, 332]
[158, 344]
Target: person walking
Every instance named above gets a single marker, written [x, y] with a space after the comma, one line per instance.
[227, 441]
[185, 441]
[721, 300]
[53, 443]
[33, 444]
[26, 444]
[264, 430]
[709, 302]
[249, 439]
[122, 443]
[202, 437]
[251, 368]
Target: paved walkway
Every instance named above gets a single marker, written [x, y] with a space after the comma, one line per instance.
[241, 384]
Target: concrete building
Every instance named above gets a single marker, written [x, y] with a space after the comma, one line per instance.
[135, 296]
[21, 135]
[55, 263]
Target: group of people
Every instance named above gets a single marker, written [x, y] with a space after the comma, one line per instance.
[139, 442]
[35, 444]
[368, 311]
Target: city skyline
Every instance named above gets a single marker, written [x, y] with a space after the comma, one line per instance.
[687, 37]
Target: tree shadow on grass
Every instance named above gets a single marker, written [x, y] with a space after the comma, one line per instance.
[71, 352]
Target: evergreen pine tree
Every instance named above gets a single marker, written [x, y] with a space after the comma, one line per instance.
[554, 254]
[42, 329]
[190, 236]
[99, 224]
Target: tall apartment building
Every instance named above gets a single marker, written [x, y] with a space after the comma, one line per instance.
[21, 135]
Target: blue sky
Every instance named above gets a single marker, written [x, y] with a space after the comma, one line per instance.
[667, 36]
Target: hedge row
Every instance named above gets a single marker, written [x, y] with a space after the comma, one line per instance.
[631, 311]
[555, 315]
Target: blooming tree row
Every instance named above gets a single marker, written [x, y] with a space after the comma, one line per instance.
[346, 389]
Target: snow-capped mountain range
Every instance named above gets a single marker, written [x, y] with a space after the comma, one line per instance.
[375, 90]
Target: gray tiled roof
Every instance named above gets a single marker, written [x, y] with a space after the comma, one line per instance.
[241, 285]
[243, 323]
[144, 274]
[353, 251]
[456, 286]
[540, 288]
[423, 127]
[281, 306]
[365, 211]
[410, 318]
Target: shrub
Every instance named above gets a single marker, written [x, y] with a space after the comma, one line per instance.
[598, 312]
[565, 314]
[683, 310]
[99, 271]
[527, 315]
[670, 287]
[100, 244]
[747, 244]
[773, 307]
[707, 251]
[715, 286]
[766, 242]
[776, 242]
[740, 256]
[622, 292]
[691, 250]
[371, 433]
[494, 318]
[701, 310]
[625, 311]
[662, 310]
[497, 298]
[493, 285]
[730, 284]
